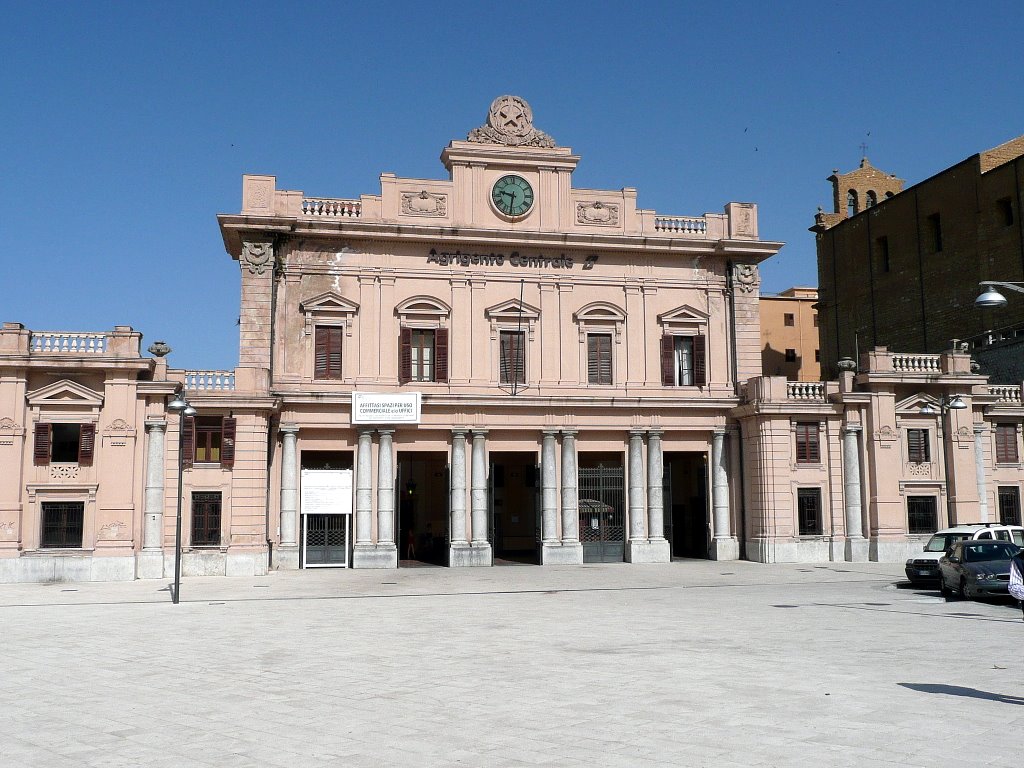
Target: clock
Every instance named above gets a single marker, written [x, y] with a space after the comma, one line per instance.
[512, 195]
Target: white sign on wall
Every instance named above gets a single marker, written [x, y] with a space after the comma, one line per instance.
[327, 491]
[376, 408]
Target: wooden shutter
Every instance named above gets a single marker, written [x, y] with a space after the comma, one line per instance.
[599, 358]
[188, 445]
[405, 356]
[668, 368]
[512, 364]
[41, 447]
[441, 354]
[917, 446]
[86, 444]
[1006, 444]
[327, 352]
[807, 444]
[227, 443]
[700, 365]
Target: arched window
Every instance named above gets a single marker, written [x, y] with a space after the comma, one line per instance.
[888, 195]
[872, 199]
[851, 203]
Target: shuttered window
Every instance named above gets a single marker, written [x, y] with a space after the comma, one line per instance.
[807, 446]
[423, 355]
[918, 450]
[599, 358]
[700, 365]
[1006, 444]
[212, 439]
[227, 445]
[64, 444]
[512, 364]
[41, 447]
[683, 361]
[188, 442]
[327, 352]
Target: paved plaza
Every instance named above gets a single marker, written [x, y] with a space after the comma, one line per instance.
[691, 663]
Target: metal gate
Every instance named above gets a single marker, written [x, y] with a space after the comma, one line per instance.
[602, 514]
[325, 541]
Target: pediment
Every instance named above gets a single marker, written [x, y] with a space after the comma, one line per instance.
[64, 393]
[600, 311]
[512, 310]
[423, 305]
[329, 302]
[911, 406]
[683, 314]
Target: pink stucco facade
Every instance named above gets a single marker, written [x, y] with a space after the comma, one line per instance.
[583, 379]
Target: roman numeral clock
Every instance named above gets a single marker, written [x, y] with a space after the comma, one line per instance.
[512, 195]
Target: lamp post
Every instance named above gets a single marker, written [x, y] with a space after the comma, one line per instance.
[990, 298]
[945, 404]
[183, 408]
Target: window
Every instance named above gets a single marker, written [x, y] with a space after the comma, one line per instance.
[1006, 444]
[62, 524]
[423, 355]
[1005, 211]
[683, 361]
[512, 351]
[64, 444]
[789, 319]
[815, 319]
[599, 358]
[808, 450]
[851, 203]
[327, 352]
[205, 519]
[210, 440]
[871, 200]
[922, 516]
[935, 229]
[918, 450]
[817, 355]
[790, 355]
[1009, 505]
[808, 505]
[882, 251]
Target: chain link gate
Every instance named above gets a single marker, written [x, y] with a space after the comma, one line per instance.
[602, 514]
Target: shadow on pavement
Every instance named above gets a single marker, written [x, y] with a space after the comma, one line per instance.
[959, 690]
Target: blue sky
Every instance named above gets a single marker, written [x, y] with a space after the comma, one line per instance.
[126, 127]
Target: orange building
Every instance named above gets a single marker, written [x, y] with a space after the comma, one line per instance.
[789, 335]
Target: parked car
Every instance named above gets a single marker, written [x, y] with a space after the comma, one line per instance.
[924, 568]
[976, 568]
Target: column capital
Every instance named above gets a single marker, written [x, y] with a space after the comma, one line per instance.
[367, 431]
[289, 429]
[156, 424]
[570, 432]
[720, 431]
[655, 432]
[478, 432]
[980, 428]
[852, 429]
[460, 432]
[637, 432]
[550, 431]
[385, 431]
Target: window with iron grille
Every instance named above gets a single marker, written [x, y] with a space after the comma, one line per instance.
[599, 358]
[922, 514]
[62, 524]
[918, 449]
[512, 351]
[205, 519]
[808, 504]
[64, 443]
[1009, 505]
[807, 445]
[1006, 443]
[327, 352]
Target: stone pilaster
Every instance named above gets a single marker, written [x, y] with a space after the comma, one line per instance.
[724, 545]
[856, 550]
[150, 561]
[979, 469]
[287, 553]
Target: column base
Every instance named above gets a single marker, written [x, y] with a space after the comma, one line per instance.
[561, 553]
[836, 549]
[463, 555]
[856, 550]
[724, 549]
[648, 551]
[286, 558]
[149, 565]
[374, 556]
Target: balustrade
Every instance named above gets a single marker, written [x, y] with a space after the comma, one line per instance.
[912, 363]
[210, 380]
[330, 208]
[805, 390]
[1005, 393]
[684, 225]
[70, 343]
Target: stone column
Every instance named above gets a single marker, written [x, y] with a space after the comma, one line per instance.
[385, 491]
[655, 486]
[856, 545]
[548, 488]
[637, 521]
[287, 553]
[364, 491]
[570, 493]
[567, 550]
[478, 511]
[150, 562]
[723, 545]
[458, 489]
[979, 469]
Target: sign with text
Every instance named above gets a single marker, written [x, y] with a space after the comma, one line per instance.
[327, 491]
[514, 259]
[376, 408]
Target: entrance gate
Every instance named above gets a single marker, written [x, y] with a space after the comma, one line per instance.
[325, 541]
[602, 514]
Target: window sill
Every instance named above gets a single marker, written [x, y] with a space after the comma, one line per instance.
[61, 551]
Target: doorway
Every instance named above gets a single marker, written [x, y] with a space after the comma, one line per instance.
[326, 488]
[514, 505]
[602, 507]
[687, 521]
[423, 493]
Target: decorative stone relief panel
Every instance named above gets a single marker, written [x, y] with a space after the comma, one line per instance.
[510, 122]
[113, 530]
[424, 204]
[604, 214]
[746, 277]
[64, 471]
[257, 256]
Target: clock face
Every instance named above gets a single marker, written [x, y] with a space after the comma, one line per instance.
[512, 195]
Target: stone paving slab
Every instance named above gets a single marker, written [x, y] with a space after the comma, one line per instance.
[692, 663]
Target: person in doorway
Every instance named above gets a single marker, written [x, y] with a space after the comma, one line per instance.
[410, 545]
[1017, 578]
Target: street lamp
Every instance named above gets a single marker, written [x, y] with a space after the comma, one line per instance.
[180, 406]
[990, 298]
[945, 404]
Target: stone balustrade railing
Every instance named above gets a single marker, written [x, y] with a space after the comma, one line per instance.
[1005, 393]
[330, 208]
[805, 390]
[914, 363]
[683, 225]
[69, 343]
[210, 381]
